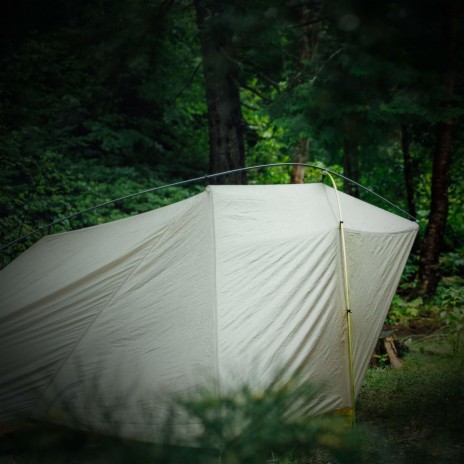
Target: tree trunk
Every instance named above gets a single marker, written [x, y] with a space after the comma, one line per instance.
[408, 170]
[301, 156]
[409, 178]
[225, 122]
[350, 168]
[429, 274]
[310, 32]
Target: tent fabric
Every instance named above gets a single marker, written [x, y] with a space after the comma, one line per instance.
[231, 286]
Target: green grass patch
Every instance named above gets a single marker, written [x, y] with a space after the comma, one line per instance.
[417, 412]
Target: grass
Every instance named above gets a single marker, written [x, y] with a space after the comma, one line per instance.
[412, 415]
[416, 413]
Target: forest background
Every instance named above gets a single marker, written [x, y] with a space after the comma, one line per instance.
[101, 99]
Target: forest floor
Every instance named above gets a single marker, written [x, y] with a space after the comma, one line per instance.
[416, 414]
[409, 415]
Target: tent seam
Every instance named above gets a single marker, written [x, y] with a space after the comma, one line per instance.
[215, 306]
[355, 231]
[129, 274]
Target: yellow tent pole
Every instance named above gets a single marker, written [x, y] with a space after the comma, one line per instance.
[347, 301]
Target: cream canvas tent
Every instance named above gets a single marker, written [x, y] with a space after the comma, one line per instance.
[227, 287]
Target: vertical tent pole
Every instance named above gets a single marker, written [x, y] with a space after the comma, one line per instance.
[347, 300]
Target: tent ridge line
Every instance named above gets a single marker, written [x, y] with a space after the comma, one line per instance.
[204, 178]
[361, 232]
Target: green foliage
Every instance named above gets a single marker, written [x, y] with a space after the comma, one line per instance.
[242, 426]
[410, 415]
[427, 380]
[452, 263]
[118, 85]
[454, 239]
[382, 359]
[452, 297]
[130, 92]
[264, 140]
[101, 100]
[39, 191]
[247, 426]
[452, 314]
[30, 186]
[403, 312]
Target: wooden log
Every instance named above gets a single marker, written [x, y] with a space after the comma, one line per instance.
[390, 348]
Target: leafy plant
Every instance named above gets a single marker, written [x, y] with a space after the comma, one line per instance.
[382, 359]
[49, 188]
[452, 263]
[249, 426]
[452, 301]
[402, 312]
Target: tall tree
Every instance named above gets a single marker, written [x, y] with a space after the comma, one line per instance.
[350, 166]
[404, 61]
[408, 169]
[309, 22]
[431, 247]
[225, 122]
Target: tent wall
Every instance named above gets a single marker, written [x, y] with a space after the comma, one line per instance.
[377, 247]
[280, 285]
[235, 285]
[103, 318]
[374, 276]
[280, 305]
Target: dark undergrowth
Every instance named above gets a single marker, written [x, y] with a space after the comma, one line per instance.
[415, 414]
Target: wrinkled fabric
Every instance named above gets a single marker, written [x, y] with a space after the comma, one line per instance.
[104, 327]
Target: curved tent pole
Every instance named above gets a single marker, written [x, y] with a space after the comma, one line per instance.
[204, 178]
[347, 301]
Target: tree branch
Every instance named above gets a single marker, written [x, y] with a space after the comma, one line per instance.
[321, 68]
[256, 92]
[309, 23]
[250, 107]
[254, 67]
[188, 83]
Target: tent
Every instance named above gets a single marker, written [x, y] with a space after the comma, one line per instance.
[227, 287]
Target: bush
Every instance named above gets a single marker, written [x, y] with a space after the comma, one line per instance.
[250, 426]
[452, 314]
